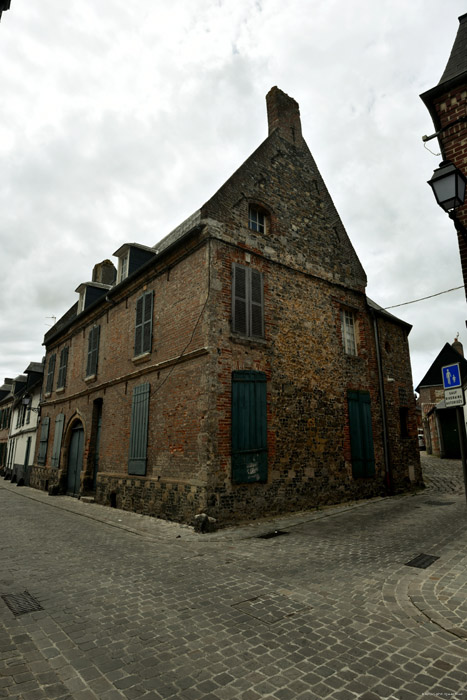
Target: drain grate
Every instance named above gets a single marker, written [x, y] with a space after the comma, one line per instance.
[423, 561]
[439, 503]
[21, 603]
[274, 533]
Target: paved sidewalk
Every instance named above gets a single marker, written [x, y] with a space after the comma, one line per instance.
[135, 607]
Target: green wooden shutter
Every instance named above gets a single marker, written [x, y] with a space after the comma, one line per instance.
[361, 434]
[50, 374]
[93, 351]
[43, 440]
[139, 430]
[256, 303]
[249, 427]
[59, 422]
[61, 381]
[239, 299]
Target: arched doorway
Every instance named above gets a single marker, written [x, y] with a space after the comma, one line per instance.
[75, 459]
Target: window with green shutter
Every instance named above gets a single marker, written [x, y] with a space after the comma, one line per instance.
[62, 368]
[249, 427]
[247, 301]
[44, 437]
[143, 325]
[361, 434]
[93, 351]
[50, 374]
[137, 457]
[59, 422]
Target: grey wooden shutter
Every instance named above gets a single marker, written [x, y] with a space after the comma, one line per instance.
[147, 322]
[59, 422]
[62, 368]
[139, 326]
[43, 440]
[139, 430]
[143, 324]
[50, 374]
[93, 351]
[256, 303]
[239, 299]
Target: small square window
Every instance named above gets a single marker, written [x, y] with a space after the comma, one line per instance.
[257, 219]
[348, 332]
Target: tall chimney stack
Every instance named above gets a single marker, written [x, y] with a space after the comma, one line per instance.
[284, 114]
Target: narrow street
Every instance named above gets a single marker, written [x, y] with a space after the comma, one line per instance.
[134, 607]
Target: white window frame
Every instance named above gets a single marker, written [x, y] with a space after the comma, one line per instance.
[349, 335]
[123, 266]
[257, 219]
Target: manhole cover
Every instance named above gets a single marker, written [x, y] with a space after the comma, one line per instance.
[423, 561]
[274, 533]
[439, 503]
[21, 603]
[270, 608]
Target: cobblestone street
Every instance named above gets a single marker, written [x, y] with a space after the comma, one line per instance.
[134, 607]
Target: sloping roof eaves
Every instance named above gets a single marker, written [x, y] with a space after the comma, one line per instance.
[390, 317]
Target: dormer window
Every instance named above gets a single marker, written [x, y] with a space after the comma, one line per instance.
[257, 218]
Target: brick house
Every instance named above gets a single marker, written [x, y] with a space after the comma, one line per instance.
[24, 422]
[236, 368]
[440, 424]
[6, 404]
[447, 103]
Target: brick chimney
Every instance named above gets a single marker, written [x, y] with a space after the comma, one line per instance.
[104, 273]
[457, 345]
[284, 114]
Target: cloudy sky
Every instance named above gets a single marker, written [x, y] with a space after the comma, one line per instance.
[119, 119]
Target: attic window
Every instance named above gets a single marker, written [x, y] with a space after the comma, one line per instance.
[257, 218]
[123, 267]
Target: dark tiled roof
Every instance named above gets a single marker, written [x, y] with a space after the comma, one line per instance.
[447, 356]
[457, 63]
[380, 310]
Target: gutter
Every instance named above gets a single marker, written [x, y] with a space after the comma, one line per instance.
[387, 461]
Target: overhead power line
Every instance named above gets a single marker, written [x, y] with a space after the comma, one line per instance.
[423, 298]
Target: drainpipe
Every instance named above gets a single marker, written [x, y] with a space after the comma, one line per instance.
[387, 462]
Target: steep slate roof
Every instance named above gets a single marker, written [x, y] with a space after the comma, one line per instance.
[457, 63]
[447, 356]
[4, 5]
[454, 73]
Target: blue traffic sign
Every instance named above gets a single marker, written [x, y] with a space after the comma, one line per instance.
[451, 376]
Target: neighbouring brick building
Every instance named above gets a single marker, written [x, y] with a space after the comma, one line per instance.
[236, 368]
[6, 405]
[447, 105]
[440, 424]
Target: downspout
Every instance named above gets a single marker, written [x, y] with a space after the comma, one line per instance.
[387, 462]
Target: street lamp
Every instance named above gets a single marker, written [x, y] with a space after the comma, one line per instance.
[448, 185]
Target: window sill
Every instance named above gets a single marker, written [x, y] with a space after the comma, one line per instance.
[139, 359]
[247, 340]
[91, 378]
[48, 395]
[60, 391]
